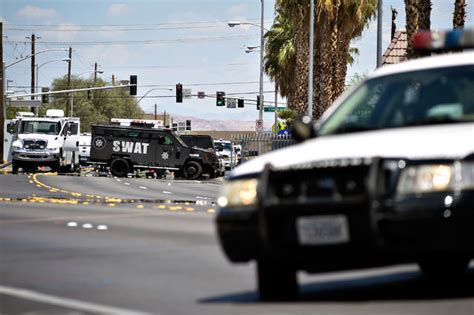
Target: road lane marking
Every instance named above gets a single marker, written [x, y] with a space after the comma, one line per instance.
[127, 184]
[87, 226]
[166, 192]
[102, 227]
[142, 187]
[65, 302]
[72, 224]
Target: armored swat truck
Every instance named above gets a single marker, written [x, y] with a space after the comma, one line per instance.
[123, 149]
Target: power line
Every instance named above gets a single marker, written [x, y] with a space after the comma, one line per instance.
[9, 26]
[146, 42]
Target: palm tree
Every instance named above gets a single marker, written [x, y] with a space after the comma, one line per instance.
[424, 15]
[280, 54]
[411, 12]
[353, 17]
[336, 23]
[459, 13]
[297, 12]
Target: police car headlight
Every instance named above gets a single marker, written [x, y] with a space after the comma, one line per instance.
[426, 178]
[436, 178]
[239, 193]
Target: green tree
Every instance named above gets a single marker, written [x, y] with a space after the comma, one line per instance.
[99, 108]
[288, 115]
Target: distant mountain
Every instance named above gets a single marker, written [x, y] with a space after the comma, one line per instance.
[200, 124]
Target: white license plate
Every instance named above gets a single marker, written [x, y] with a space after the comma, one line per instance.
[322, 230]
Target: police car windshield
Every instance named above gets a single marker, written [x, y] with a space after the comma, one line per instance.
[41, 127]
[434, 96]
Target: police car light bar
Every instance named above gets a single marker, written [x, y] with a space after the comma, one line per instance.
[446, 40]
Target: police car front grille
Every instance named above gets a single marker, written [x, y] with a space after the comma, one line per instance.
[331, 184]
[34, 144]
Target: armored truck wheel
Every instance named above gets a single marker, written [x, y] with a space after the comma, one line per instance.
[192, 170]
[119, 167]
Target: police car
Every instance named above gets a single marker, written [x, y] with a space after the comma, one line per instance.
[386, 177]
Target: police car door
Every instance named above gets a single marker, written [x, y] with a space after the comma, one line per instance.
[165, 151]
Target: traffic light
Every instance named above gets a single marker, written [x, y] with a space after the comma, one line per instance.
[220, 98]
[179, 93]
[44, 97]
[133, 85]
[258, 102]
[89, 92]
[188, 125]
[240, 103]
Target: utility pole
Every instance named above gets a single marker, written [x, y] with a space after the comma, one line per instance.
[33, 40]
[95, 73]
[2, 91]
[379, 33]
[69, 82]
[113, 79]
[156, 116]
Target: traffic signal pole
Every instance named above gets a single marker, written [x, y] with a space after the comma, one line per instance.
[2, 91]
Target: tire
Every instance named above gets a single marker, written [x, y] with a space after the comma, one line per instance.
[276, 282]
[444, 267]
[15, 167]
[55, 167]
[192, 170]
[119, 167]
[212, 174]
[30, 168]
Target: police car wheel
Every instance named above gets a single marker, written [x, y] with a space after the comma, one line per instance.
[192, 170]
[444, 267]
[119, 167]
[275, 282]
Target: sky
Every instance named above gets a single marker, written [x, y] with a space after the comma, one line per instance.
[165, 42]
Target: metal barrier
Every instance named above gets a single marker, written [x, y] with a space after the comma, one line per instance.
[252, 144]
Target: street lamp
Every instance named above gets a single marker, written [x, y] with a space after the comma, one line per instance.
[72, 93]
[39, 52]
[154, 89]
[249, 49]
[262, 44]
[44, 63]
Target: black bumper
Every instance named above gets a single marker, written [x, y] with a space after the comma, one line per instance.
[417, 226]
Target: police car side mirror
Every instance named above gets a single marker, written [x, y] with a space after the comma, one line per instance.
[303, 129]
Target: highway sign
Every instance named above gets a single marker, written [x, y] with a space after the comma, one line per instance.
[268, 109]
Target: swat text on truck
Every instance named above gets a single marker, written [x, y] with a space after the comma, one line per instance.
[124, 149]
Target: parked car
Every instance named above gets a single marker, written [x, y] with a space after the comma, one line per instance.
[386, 176]
[225, 150]
[207, 143]
[84, 148]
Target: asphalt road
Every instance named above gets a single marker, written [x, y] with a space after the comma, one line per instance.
[87, 245]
